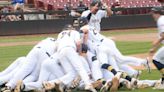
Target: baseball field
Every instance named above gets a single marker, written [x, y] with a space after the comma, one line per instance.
[134, 42]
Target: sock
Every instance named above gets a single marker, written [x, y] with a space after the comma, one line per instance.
[22, 87]
[125, 76]
[109, 68]
[162, 82]
[162, 72]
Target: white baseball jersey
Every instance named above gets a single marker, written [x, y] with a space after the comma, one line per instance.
[159, 54]
[95, 18]
[160, 25]
[34, 58]
[48, 45]
[93, 35]
[96, 39]
[68, 38]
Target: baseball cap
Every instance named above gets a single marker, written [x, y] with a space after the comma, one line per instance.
[68, 27]
[158, 10]
[94, 2]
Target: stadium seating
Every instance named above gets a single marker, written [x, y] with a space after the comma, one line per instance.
[59, 4]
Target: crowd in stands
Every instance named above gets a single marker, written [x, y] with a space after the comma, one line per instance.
[59, 4]
[16, 6]
[126, 6]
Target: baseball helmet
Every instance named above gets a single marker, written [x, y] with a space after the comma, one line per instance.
[83, 21]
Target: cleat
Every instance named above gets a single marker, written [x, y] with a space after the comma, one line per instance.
[106, 86]
[6, 89]
[19, 86]
[115, 84]
[97, 84]
[157, 83]
[127, 84]
[75, 82]
[48, 86]
[60, 87]
[160, 87]
[147, 65]
[141, 85]
[134, 83]
[90, 88]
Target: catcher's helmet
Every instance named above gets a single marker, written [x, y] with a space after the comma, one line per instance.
[83, 21]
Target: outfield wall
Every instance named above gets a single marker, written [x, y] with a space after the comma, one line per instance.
[56, 25]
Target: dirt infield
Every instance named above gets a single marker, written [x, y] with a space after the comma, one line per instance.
[136, 37]
[18, 43]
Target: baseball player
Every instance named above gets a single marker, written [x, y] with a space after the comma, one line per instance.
[67, 40]
[12, 66]
[97, 40]
[50, 70]
[34, 58]
[49, 67]
[158, 58]
[96, 13]
[7, 74]
[69, 43]
[108, 45]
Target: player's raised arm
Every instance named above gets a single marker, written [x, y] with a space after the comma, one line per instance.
[107, 8]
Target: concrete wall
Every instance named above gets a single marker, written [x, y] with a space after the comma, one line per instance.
[56, 25]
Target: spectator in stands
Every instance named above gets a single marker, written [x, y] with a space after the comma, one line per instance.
[68, 6]
[81, 6]
[18, 3]
[4, 9]
[115, 5]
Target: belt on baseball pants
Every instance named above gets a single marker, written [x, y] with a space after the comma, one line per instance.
[46, 52]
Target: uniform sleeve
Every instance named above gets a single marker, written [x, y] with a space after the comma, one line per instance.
[102, 13]
[85, 13]
[60, 35]
[77, 36]
[161, 24]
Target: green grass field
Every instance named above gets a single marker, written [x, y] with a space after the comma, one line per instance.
[10, 53]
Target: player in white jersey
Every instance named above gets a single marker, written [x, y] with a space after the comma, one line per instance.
[50, 70]
[99, 40]
[96, 13]
[49, 66]
[158, 58]
[9, 72]
[69, 44]
[31, 67]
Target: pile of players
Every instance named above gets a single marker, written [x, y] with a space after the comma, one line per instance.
[79, 58]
